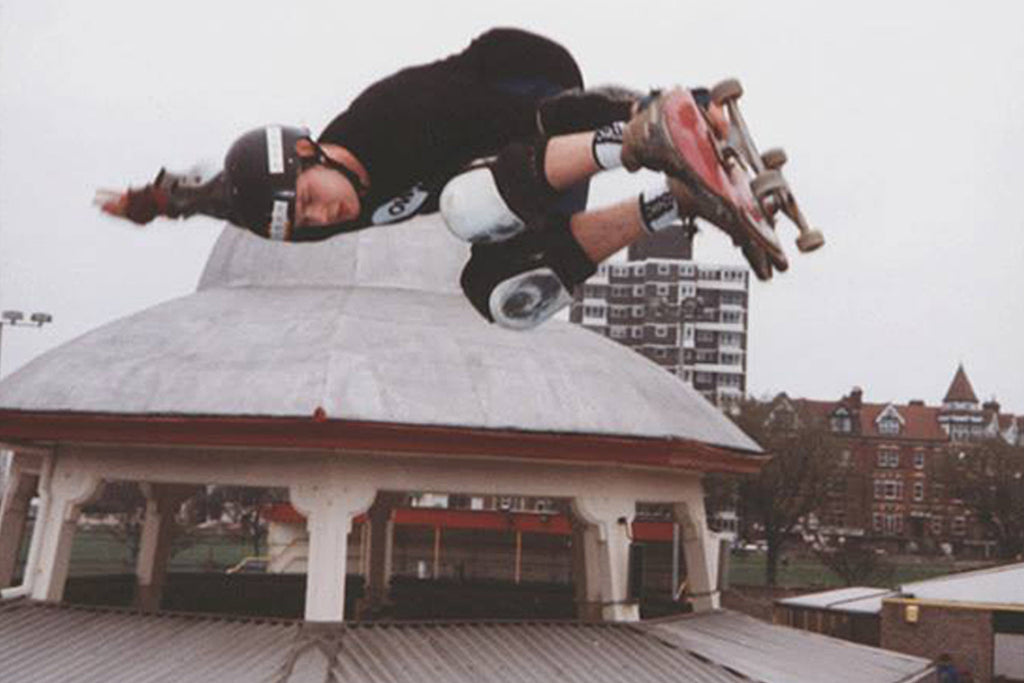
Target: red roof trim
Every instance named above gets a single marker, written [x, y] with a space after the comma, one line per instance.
[316, 433]
[555, 524]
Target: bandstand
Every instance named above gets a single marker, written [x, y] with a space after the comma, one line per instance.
[345, 372]
[342, 370]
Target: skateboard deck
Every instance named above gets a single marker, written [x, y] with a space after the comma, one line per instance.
[733, 186]
[717, 179]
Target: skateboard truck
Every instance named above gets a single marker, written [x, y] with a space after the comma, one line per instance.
[768, 185]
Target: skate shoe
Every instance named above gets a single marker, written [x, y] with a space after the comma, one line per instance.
[673, 135]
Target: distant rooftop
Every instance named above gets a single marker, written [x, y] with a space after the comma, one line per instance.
[857, 599]
[999, 585]
[960, 389]
[1002, 585]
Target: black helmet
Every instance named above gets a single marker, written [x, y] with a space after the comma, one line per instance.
[260, 170]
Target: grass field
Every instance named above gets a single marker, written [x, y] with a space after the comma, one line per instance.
[807, 572]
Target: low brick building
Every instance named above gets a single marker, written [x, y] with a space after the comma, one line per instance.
[976, 619]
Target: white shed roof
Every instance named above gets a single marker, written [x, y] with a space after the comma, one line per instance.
[369, 326]
[858, 599]
[1001, 585]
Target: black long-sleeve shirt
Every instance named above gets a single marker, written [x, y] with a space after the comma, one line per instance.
[417, 128]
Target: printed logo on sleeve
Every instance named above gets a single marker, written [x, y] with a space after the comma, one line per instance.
[401, 207]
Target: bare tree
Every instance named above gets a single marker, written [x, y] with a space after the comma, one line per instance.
[855, 563]
[989, 478]
[793, 484]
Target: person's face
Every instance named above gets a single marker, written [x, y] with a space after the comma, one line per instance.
[324, 196]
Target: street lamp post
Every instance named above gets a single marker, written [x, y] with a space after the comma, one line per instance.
[17, 319]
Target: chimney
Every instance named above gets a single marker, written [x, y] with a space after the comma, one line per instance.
[992, 405]
[917, 402]
[856, 397]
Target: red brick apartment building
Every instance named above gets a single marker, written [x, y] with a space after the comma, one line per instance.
[889, 485]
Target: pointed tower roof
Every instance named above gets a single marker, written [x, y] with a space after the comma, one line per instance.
[960, 390]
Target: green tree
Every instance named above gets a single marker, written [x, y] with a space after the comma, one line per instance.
[795, 481]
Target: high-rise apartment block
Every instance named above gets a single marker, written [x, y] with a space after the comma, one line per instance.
[690, 318]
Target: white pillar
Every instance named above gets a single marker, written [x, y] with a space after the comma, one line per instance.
[71, 485]
[700, 547]
[329, 507]
[606, 541]
[162, 502]
[21, 486]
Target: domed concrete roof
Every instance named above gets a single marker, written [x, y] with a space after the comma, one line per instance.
[370, 327]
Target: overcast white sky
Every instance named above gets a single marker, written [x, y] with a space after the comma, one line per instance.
[904, 124]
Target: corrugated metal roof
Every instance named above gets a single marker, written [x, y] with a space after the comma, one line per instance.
[858, 599]
[41, 643]
[778, 654]
[368, 327]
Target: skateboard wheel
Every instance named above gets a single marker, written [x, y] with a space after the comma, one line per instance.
[767, 182]
[729, 89]
[810, 240]
[774, 158]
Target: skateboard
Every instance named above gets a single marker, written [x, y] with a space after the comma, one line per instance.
[768, 184]
[731, 185]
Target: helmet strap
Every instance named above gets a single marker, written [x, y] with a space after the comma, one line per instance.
[321, 157]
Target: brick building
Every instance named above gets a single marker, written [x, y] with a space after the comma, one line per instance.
[888, 484]
[975, 619]
[690, 318]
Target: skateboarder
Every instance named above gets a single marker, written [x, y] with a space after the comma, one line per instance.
[501, 138]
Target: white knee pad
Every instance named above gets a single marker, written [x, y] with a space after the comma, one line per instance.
[526, 300]
[474, 211]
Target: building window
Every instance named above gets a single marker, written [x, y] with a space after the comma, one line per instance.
[636, 331]
[663, 269]
[919, 460]
[733, 317]
[730, 339]
[918, 491]
[618, 332]
[638, 270]
[662, 290]
[841, 422]
[844, 457]
[959, 525]
[887, 523]
[936, 525]
[705, 336]
[888, 489]
[620, 270]
[889, 425]
[660, 331]
[888, 457]
[638, 311]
